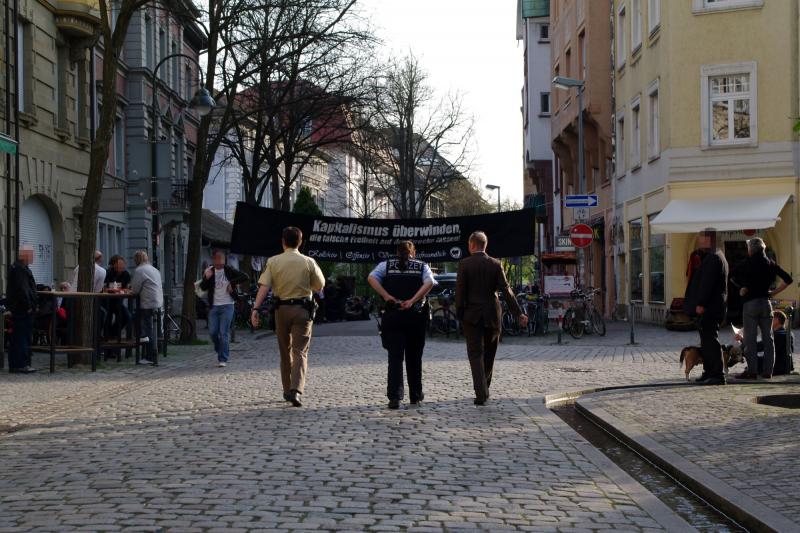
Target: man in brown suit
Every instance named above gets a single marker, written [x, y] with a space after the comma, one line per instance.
[479, 279]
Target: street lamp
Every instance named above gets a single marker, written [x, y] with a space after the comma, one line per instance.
[203, 103]
[493, 187]
[568, 83]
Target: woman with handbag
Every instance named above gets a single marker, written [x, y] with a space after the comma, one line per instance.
[403, 284]
[220, 280]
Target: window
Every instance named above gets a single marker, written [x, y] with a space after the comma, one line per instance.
[636, 273]
[175, 67]
[653, 122]
[620, 140]
[636, 134]
[636, 25]
[544, 33]
[622, 40]
[656, 244]
[149, 45]
[653, 15]
[24, 62]
[582, 56]
[705, 6]
[162, 51]
[60, 88]
[119, 147]
[544, 103]
[188, 76]
[728, 98]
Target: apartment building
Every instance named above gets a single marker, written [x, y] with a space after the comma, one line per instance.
[705, 100]
[580, 44]
[533, 29]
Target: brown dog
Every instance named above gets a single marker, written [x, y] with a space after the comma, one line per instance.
[692, 357]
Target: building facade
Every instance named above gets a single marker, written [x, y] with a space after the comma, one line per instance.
[580, 50]
[704, 108]
[539, 187]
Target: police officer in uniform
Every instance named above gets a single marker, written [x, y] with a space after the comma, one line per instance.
[403, 283]
[293, 278]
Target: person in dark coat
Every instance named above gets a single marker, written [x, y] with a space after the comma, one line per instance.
[478, 281]
[705, 299]
[21, 300]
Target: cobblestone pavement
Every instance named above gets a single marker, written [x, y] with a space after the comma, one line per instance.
[188, 446]
[750, 448]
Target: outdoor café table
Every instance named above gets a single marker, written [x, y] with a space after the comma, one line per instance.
[53, 347]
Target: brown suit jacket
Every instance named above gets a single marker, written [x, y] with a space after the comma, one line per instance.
[479, 279]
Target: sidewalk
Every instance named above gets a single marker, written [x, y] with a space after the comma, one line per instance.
[739, 455]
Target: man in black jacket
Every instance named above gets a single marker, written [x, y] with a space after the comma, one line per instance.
[705, 299]
[21, 300]
[220, 280]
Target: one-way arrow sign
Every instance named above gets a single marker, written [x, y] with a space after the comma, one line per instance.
[580, 200]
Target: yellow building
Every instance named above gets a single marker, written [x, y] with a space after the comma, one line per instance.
[705, 95]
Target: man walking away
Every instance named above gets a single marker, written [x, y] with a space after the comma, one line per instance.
[146, 283]
[705, 299]
[220, 281]
[292, 276]
[479, 279]
[757, 276]
[21, 300]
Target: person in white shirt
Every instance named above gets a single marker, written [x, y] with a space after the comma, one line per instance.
[99, 274]
[220, 281]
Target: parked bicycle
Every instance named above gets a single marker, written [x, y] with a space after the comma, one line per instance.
[443, 318]
[535, 306]
[582, 316]
[175, 325]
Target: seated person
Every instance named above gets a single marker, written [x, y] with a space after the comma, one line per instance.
[784, 362]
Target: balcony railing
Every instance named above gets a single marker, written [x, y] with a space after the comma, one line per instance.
[178, 198]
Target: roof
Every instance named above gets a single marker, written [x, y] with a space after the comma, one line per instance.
[216, 231]
[535, 8]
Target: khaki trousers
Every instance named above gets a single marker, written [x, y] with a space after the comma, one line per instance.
[293, 329]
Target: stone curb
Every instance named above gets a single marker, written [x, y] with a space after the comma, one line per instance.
[662, 514]
[742, 508]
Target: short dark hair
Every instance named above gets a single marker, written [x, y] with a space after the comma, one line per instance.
[781, 316]
[114, 259]
[292, 236]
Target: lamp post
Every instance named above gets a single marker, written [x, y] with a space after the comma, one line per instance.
[567, 83]
[497, 187]
[203, 103]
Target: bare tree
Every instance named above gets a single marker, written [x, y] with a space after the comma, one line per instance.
[422, 143]
[463, 198]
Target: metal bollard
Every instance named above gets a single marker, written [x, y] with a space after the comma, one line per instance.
[560, 327]
[789, 310]
[632, 318]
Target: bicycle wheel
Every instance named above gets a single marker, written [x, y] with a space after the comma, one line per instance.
[575, 325]
[543, 322]
[598, 324]
[175, 325]
[510, 325]
[440, 322]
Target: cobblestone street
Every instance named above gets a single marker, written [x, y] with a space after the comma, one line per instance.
[190, 447]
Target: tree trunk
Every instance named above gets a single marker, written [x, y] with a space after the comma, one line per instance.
[193, 252]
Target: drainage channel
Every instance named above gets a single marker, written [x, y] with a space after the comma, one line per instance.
[688, 505]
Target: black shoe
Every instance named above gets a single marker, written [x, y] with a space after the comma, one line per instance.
[23, 370]
[480, 401]
[294, 397]
[287, 396]
[714, 381]
[417, 400]
[702, 378]
[394, 404]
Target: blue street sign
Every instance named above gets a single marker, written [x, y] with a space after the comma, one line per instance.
[580, 200]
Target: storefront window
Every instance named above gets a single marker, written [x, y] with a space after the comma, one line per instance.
[636, 272]
[656, 245]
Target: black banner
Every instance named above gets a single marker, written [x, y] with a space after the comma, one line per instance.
[257, 231]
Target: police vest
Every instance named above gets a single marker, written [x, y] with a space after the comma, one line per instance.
[403, 284]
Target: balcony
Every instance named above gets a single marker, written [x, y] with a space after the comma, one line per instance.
[174, 201]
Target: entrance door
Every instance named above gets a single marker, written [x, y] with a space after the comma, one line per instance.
[35, 230]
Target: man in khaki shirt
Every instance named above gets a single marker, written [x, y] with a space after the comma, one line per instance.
[292, 276]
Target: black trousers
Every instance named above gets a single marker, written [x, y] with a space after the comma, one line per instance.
[404, 338]
[481, 349]
[710, 346]
[19, 356]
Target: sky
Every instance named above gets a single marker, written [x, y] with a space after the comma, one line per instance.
[467, 46]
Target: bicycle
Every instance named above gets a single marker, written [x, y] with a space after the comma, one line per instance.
[508, 322]
[443, 319]
[583, 317]
[175, 325]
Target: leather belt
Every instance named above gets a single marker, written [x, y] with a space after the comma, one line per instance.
[293, 301]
